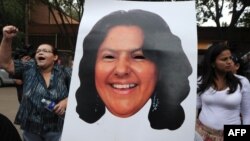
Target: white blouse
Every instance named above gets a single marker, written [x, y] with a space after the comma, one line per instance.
[218, 108]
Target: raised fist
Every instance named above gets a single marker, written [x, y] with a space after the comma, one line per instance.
[9, 31]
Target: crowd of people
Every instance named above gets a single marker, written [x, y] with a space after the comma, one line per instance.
[223, 94]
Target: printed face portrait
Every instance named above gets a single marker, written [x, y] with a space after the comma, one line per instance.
[135, 72]
[132, 58]
[124, 78]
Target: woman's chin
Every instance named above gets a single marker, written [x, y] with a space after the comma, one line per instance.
[123, 112]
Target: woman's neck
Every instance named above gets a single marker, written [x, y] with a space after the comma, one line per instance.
[220, 81]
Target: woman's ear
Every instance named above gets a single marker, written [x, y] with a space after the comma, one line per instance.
[237, 66]
[55, 58]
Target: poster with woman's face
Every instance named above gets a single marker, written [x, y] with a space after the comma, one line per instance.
[134, 73]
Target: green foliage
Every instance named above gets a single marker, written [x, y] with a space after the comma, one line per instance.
[245, 20]
[73, 8]
[13, 12]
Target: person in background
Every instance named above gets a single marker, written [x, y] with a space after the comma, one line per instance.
[236, 64]
[42, 78]
[19, 82]
[246, 66]
[24, 54]
[222, 95]
[65, 60]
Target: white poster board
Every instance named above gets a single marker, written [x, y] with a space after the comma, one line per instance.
[180, 17]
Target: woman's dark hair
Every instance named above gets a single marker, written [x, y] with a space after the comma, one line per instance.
[161, 47]
[238, 61]
[208, 71]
